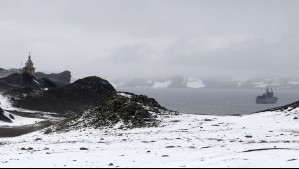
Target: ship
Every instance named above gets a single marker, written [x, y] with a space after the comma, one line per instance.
[267, 98]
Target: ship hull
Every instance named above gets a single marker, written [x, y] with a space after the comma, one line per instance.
[272, 100]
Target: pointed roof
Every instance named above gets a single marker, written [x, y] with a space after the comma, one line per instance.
[29, 61]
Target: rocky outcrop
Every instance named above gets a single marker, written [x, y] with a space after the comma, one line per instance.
[3, 117]
[121, 110]
[59, 79]
[286, 108]
[71, 98]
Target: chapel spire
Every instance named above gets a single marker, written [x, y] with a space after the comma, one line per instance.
[29, 66]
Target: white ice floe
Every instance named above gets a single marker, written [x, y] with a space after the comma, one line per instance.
[269, 139]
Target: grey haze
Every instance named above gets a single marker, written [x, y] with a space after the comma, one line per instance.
[152, 38]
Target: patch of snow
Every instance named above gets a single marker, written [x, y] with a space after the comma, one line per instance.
[125, 95]
[261, 85]
[118, 125]
[165, 84]
[195, 83]
[19, 121]
[293, 82]
[35, 81]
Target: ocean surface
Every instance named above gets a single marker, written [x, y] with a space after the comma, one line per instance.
[214, 101]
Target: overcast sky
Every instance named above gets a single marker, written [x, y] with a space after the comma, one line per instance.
[152, 38]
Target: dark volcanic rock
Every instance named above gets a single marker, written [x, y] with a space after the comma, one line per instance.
[1, 111]
[288, 108]
[4, 118]
[118, 110]
[70, 98]
[59, 79]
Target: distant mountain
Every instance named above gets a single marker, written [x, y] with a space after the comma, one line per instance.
[174, 82]
[210, 83]
[59, 79]
[4, 73]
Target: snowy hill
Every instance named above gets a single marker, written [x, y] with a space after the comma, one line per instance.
[268, 139]
[121, 110]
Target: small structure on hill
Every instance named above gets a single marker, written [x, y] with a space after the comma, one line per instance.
[29, 67]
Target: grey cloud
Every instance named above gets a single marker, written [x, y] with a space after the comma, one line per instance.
[133, 38]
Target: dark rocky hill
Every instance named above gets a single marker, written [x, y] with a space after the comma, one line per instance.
[4, 73]
[120, 110]
[70, 98]
[59, 79]
[24, 80]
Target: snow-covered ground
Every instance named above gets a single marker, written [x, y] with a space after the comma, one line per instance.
[269, 139]
[6, 105]
[19, 121]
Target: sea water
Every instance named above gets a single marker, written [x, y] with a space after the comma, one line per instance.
[214, 101]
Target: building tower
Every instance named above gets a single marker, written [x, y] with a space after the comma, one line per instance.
[29, 68]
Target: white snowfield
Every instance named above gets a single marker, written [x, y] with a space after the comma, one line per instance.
[269, 139]
[6, 105]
